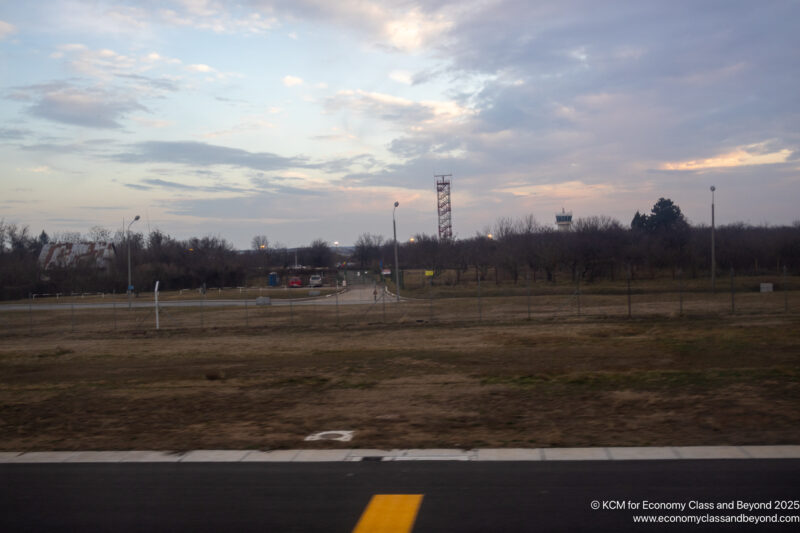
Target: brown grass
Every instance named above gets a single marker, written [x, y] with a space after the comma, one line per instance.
[457, 311]
[558, 381]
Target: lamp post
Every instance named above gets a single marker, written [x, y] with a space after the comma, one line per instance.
[713, 260]
[129, 260]
[396, 261]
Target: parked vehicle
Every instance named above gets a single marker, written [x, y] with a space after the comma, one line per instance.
[315, 280]
[295, 282]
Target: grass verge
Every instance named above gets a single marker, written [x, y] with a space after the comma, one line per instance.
[577, 381]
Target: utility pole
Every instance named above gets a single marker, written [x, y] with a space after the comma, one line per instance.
[130, 286]
[396, 261]
[713, 260]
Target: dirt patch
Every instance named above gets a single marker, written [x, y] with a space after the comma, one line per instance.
[580, 382]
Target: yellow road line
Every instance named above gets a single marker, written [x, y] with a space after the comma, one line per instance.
[389, 513]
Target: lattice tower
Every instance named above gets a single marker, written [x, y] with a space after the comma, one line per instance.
[443, 204]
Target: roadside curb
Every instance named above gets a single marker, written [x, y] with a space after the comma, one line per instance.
[357, 455]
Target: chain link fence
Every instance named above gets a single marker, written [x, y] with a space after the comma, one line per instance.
[361, 299]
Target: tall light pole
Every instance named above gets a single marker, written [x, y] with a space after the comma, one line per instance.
[396, 261]
[129, 260]
[713, 260]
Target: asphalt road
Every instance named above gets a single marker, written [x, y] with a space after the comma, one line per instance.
[457, 496]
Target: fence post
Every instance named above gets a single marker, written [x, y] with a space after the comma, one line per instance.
[72, 317]
[785, 292]
[337, 304]
[246, 320]
[680, 291]
[291, 308]
[155, 297]
[383, 300]
[528, 276]
[733, 292]
[629, 292]
[578, 293]
[202, 310]
[30, 316]
[114, 314]
[480, 316]
[430, 297]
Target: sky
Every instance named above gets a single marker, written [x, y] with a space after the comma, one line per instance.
[308, 119]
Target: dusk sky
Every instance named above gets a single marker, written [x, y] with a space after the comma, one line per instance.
[305, 119]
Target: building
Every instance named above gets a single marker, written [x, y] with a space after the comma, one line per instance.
[71, 255]
[564, 220]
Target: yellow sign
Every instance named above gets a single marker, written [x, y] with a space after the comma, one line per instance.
[429, 273]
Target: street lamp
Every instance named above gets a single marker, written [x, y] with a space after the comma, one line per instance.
[129, 260]
[713, 260]
[396, 261]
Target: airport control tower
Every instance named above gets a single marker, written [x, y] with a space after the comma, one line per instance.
[564, 220]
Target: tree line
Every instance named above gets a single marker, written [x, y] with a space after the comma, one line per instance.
[178, 264]
[658, 243]
[661, 242]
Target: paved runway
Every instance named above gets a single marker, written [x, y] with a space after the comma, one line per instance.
[333, 496]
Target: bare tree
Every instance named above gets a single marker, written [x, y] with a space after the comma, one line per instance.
[319, 254]
[67, 237]
[260, 243]
[98, 234]
[368, 249]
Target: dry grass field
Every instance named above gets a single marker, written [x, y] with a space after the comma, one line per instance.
[557, 380]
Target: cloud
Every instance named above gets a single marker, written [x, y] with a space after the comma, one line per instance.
[102, 63]
[401, 76]
[337, 135]
[213, 74]
[571, 190]
[146, 85]
[199, 154]
[396, 109]
[126, 18]
[291, 81]
[392, 25]
[219, 17]
[200, 68]
[42, 169]
[91, 107]
[107, 65]
[157, 183]
[14, 134]
[215, 16]
[203, 154]
[253, 123]
[744, 156]
[110, 67]
[138, 187]
[152, 123]
[89, 146]
[6, 29]
[104, 207]
[414, 29]
[274, 185]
